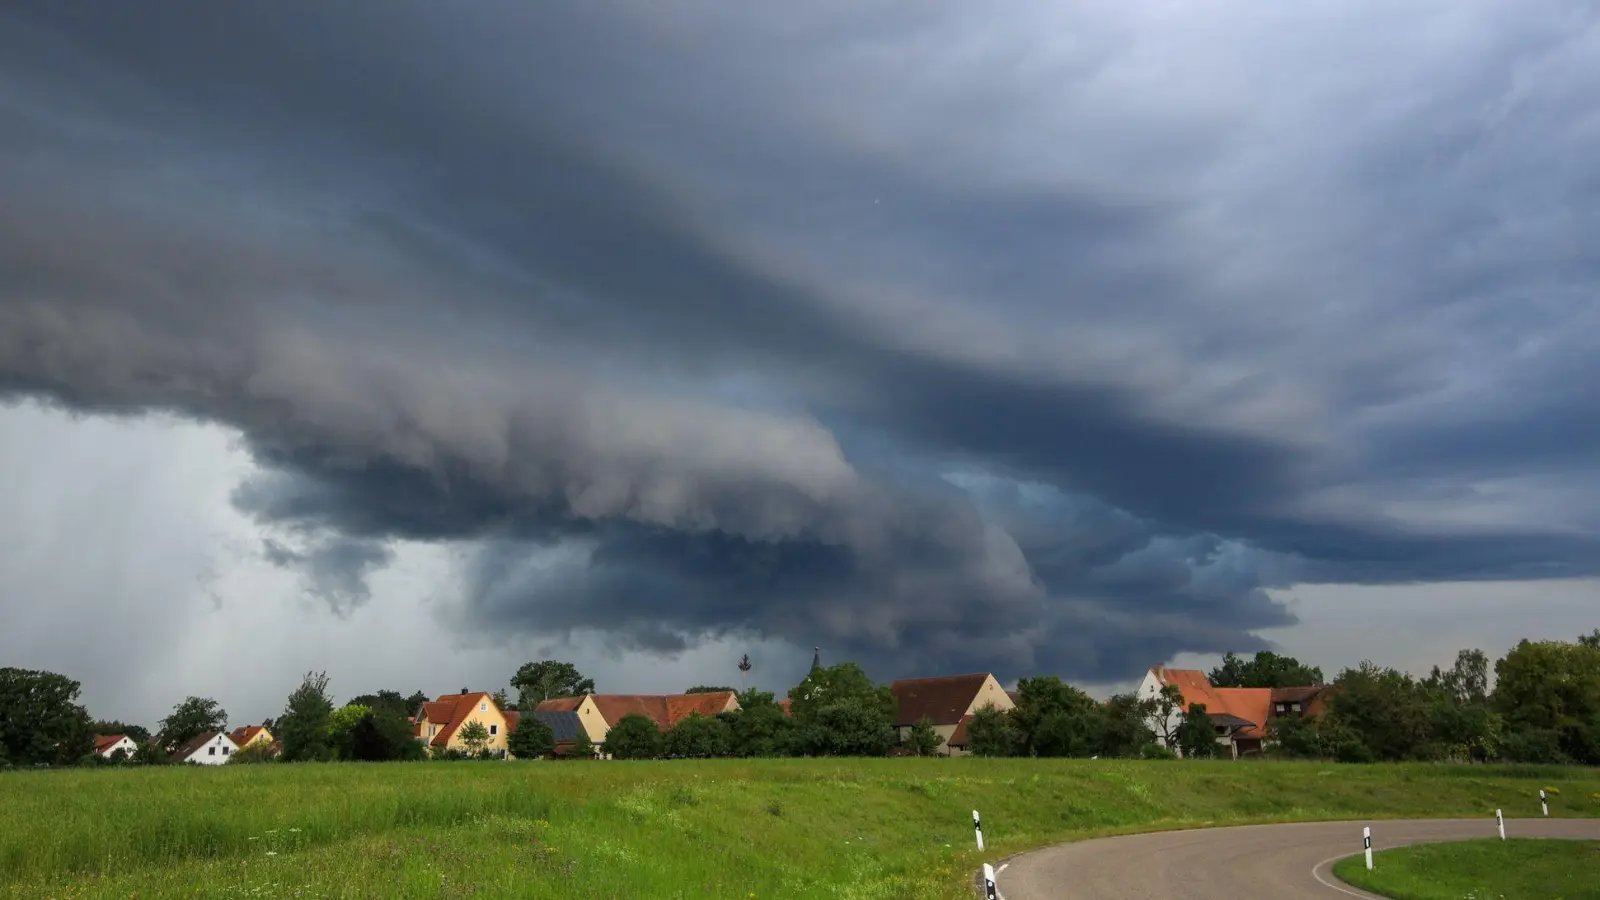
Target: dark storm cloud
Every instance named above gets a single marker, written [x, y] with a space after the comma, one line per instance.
[682, 317]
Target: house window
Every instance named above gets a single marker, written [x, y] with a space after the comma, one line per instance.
[494, 729]
[224, 751]
[1295, 707]
[1280, 707]
[483, 707]
[211, 751]
[430, 731]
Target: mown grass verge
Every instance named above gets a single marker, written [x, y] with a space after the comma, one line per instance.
[869, 829]
[1523, 869]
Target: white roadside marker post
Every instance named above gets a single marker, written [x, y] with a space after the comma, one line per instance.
[1544, 804]
[977, 826]
[988, 881]
[1366, 845]
[1500, 823]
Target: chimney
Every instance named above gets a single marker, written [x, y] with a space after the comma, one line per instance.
[463, 691]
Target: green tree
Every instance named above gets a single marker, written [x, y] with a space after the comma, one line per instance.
[1053, 718]
[504, 701]
[1590, 640]
[303, 727]
[1165, 715]
[41, 720]
[531, 739]
[759, 726]
[475, 736]
[922, 740]
[709, 689]
[990, 733]
[138, 733]
[1125, 726]
[384, 735]
[1549, 692]
[634, 736]
[1264, 670]
[1197, 737]
[342, 724]
[190, 719]
[149, 754]
[540, 681]
[852, 726]
[698, 737]
[841, 683]
[1387, 710]
[582, 747]
[390, 702]
[258, 752]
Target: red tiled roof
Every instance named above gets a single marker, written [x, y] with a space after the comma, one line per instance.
[1253, 705]
[244, 734]
[459, 707]
[942, 701]
[959, 738]
[193, 744]
[784, 704]
[666, 710]
[513, 719]
[104, 742]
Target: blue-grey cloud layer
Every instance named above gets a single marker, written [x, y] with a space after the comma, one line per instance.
[998, 337]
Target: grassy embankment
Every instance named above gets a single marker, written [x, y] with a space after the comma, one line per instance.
[1489, 870]
[781, 829]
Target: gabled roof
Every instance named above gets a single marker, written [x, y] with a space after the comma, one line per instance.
[666, 710]
[452, 711]
[942, 701]
[439, 711]
[959, 738]
[564, 724]
[1296, 694]
[244, 734]
[104, 742]
[1252, 705]
[188, 749]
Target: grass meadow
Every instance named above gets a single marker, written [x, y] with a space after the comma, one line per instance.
[891, 829]
[1486, 870]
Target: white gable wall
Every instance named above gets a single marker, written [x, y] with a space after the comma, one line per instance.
[214, 752]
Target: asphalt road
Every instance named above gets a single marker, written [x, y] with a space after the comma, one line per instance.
[1283, 862]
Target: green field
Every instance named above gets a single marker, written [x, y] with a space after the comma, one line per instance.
[891, 829]
[1489, 869]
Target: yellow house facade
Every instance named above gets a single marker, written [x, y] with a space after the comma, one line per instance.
[439, 723]
[945, 702]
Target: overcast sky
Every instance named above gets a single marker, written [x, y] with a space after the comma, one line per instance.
[413, 340]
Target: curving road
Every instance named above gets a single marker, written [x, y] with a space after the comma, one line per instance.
[1285, 862]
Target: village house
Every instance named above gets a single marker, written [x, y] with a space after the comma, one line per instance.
[597, 713]
[1242, 717]
[108, 744]
[212, 748]
[564, 726]
[947, 703]
[438, 724]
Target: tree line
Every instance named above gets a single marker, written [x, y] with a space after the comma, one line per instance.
[1543, 707]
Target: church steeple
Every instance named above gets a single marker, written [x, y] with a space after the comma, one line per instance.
[816, 658]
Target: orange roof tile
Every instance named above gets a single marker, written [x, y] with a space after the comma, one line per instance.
[959, 737]
[104, 742]
[666, 710]
[244, 734]
[942, 701]
[459, 706]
